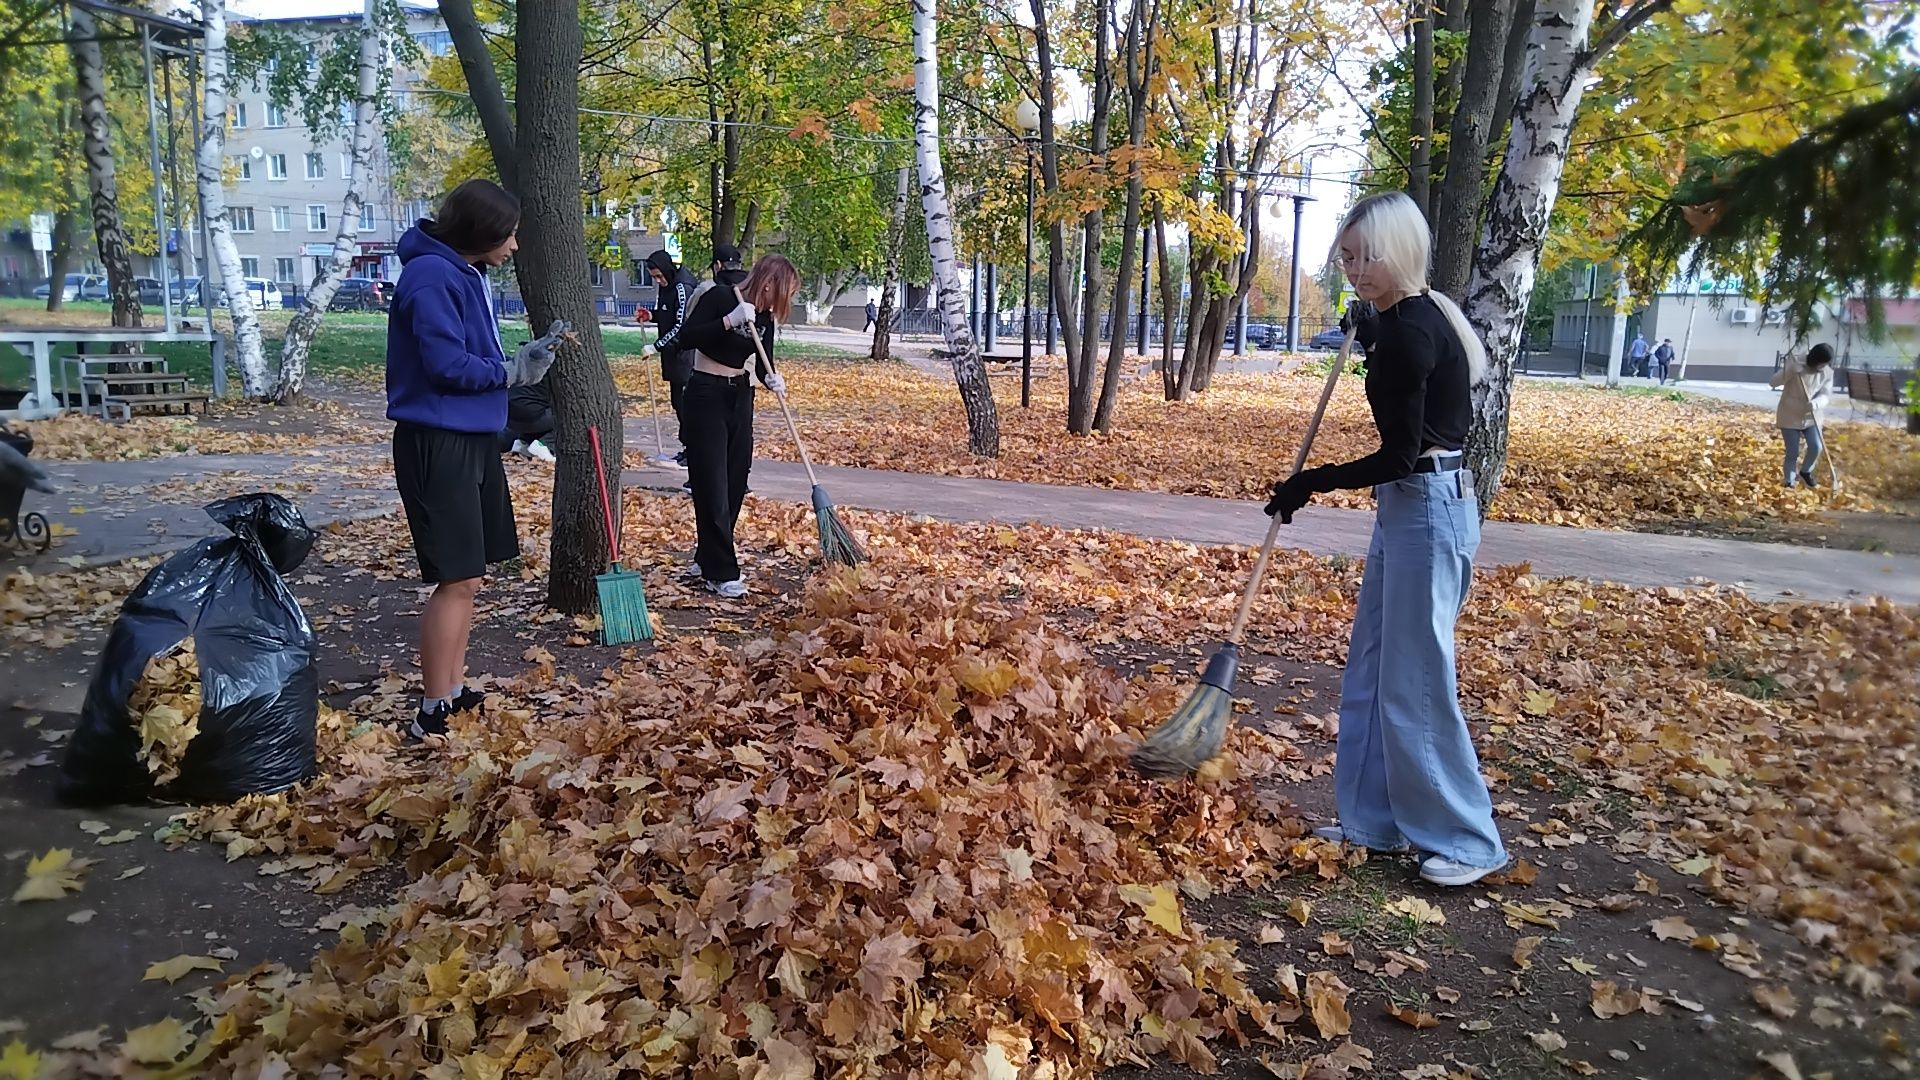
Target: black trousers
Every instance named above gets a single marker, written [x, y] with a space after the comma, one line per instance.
[716, 418]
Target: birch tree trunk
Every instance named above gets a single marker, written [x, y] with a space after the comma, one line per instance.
[103, 184]
[896, 248]
[983, 423]
[248, 349]
[1169, 304]
[1559, 63]
[366, 115]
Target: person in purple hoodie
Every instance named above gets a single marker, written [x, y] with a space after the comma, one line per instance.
[447, 382]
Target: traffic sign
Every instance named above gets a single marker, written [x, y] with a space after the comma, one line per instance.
[42, 225]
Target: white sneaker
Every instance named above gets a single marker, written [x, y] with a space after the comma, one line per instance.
[538, 451]
[1338, 835]
[520, 447]
[728, 590]
[1444, 871]
[692, 572]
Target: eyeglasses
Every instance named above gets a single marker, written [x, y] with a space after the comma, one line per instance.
[1345, 263]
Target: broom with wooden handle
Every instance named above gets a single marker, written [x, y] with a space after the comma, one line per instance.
[1198, 728]
[837, 543]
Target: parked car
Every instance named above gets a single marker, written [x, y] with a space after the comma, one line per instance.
[77, 287]
[361, 294]
[1328, 340]
[189, 292]
[151, 291]
[266, 294]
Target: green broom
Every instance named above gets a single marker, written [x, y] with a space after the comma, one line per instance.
[1198, 728]
[837, 544]
[623, 594]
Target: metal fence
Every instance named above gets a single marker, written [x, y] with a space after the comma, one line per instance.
[1009, 326]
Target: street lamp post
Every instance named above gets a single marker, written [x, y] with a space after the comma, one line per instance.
[1300, 201]
[1027, 114]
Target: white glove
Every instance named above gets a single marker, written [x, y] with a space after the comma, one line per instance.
[776, 383]
[648, 350]
[740, 318]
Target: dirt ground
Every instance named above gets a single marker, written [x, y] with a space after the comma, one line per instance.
[1448, 965]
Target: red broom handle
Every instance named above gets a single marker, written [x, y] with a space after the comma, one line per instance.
[606, 504]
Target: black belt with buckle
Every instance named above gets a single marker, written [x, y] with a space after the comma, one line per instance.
[1450, 463]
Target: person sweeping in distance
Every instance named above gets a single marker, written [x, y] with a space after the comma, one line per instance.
[1805, 387]
[717, 411]
[447, 385]
[1406, 774]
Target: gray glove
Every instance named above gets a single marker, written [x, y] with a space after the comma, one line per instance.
[531, 361]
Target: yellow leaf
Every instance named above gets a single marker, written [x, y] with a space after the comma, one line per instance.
[19, 1063]
[1781, 1061]
[51, 876]
[1523, 951]
[1418, 910]
[159, 1043]
[581, 1019]
[1300, 910]
[1777, 1000]
[1160, 904]
[1327, 999]
[1582, 966]
[1672, 928]
[1527, 913]
[1695, 866]
[1539, 703]
[178, 968]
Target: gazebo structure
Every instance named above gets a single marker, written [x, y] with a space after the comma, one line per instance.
[168, 46]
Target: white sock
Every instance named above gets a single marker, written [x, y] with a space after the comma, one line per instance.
[458, 689]
[435, 704]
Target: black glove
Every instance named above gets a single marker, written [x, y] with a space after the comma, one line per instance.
[1291, 494]
[1365, 320]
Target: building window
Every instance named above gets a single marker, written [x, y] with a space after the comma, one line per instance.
[415, 210]
[316, 165]
[242, 218]
[435, 42]
[346, 167]
[282, 218]
[283, 270]
[239, 114]
[316, 217]
[593, 274]
[313, 60]
[276, 166]
[249, 267]
[366, 217]
[242, 167]
[276, 115]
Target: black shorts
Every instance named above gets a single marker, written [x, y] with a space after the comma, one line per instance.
[454, 490]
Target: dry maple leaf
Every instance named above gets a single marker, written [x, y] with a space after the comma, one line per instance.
[1326, 998]
[1611, 1000]
[1418, 910]
[162, 1042]
[888, 961]
[179, 968]
[1523, 951]
[1412, 1017]
[1776, 999]
[51, 876]
[1673, 928]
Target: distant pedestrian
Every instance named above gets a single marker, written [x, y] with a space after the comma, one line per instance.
[1662, 357]
[1805, 386]
[873, 316]
[1637, 355]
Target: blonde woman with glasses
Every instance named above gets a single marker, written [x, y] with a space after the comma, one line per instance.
[1406, 776]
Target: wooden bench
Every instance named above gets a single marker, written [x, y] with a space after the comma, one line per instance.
[147, 385]
[1866, 387]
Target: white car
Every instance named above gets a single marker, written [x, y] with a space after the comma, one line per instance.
[266, 294]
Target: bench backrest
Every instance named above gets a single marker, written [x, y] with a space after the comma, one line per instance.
[1858, 385]
[1880, 388]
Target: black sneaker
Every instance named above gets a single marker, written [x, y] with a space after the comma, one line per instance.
[680, 458]
[468, 700]
[426, 723]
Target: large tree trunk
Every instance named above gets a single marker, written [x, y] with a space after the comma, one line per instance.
[1093, 279]
[1419, 166]
[1462, 189]
[249, 350]
[1512, 66]
[301, 330]
[1142, 22]
[103, 184]
[483, 87]
[1169, 304]
[1559, 65]
[66, 238]
[1059, 290]
[553, 279]
[976, 394]
[896, 247]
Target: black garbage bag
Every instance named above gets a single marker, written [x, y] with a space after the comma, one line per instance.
[260, 690]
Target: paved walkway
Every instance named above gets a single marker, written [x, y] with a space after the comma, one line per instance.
[121, 509]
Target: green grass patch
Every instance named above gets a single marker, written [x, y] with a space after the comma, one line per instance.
[1759, 686]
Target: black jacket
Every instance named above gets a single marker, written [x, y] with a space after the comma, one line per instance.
[703, 330]
[676, 299]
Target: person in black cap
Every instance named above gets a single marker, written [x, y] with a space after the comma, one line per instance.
[676, 291]
[726, 271]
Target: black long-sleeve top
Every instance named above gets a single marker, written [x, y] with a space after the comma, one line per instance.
[703, 329]
[1419, 389]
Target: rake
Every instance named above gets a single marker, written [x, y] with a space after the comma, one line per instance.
[623, 595]
[837, 543]
[1198, 728]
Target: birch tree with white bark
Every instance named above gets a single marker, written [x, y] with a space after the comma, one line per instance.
[983, 422]
[1560, 64]
[249, 350]
[368, 90]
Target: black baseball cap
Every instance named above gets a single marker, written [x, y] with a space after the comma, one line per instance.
[726, 255]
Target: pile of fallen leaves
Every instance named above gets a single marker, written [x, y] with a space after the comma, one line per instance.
[165, 706]
[1579, 455]
[899, 833]
[49, 611]
[224, 429]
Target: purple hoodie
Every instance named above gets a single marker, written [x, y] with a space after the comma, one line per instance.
[445, 366]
